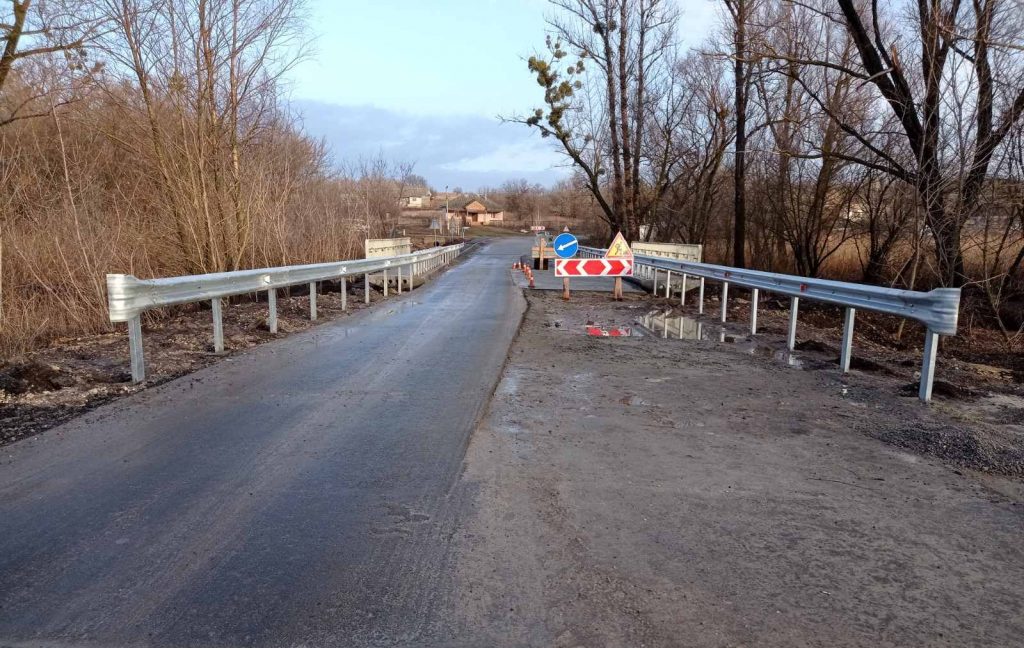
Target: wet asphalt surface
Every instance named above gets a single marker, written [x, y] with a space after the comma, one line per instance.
[300, 493]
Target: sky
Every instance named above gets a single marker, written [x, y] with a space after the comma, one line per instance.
[424, 82]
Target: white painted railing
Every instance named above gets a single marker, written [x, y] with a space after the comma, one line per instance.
[128, 297]
[937, 309]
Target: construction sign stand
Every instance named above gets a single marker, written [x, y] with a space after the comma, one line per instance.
[619, 249]
[617, 262]
[566, 247]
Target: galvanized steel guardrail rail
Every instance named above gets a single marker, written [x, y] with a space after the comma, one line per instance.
[128, 297]
[937, 309]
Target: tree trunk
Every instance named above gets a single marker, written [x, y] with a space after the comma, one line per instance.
[740, 165]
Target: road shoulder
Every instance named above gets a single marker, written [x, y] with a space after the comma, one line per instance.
[643, 491]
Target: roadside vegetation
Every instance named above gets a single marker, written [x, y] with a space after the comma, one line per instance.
[152, 138]
[877, 142]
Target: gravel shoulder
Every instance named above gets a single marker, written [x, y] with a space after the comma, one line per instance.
[647, 491]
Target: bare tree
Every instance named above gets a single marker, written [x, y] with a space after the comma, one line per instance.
[951, 54]
[811, 189]
[741, 14]
[207, 73]
[30, 37]
[615, 106]
[704, 136]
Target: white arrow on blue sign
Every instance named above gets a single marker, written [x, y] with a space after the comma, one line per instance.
[566, 246]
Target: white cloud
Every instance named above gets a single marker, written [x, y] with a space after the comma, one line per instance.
[455, 150]
[529, 156]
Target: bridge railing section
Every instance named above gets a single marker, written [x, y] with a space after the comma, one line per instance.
[129, 297]
[936, 309]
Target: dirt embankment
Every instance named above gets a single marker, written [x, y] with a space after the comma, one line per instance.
[665, 492]
[73, 376]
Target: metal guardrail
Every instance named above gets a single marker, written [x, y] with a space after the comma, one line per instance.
[937, 309]
[128, 297]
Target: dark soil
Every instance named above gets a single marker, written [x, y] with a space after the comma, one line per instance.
[813, 345]
[942, 389]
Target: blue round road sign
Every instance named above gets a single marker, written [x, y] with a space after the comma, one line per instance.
[566, 246]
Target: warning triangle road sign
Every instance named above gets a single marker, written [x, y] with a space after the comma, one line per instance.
[619, 249]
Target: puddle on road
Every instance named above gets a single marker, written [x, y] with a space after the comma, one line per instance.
[680, 327]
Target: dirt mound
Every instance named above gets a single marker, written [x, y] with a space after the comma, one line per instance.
[864, 364]
[959, 446]
[813, 345]
[33, 377]
[943, 389]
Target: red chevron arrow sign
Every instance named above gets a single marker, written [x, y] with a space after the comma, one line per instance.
[593, 267]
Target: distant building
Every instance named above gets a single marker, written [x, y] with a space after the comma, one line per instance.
[416, 202]
[476, 211]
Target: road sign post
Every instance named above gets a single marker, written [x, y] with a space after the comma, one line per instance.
[566, 247]
[619, 249]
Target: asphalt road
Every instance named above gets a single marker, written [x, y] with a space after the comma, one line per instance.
[300, 493]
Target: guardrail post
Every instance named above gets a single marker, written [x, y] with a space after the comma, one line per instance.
[754, 294]
[398, 283]
[700, 298]
[312, 300]
[931, 346]
[668, 284]
[847, 348]
[725, 299]
[385, 282]
[272, 310]
[412, 275]
[218, 325]
[794, 308]
[682, 295]
[137, 357]
[344, 294]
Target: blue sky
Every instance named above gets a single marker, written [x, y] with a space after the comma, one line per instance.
[424, 82]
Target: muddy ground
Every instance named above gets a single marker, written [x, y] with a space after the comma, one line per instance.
[663, 492]
[975, 421]
[51, 386]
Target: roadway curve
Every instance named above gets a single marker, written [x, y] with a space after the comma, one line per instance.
[301, 493]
